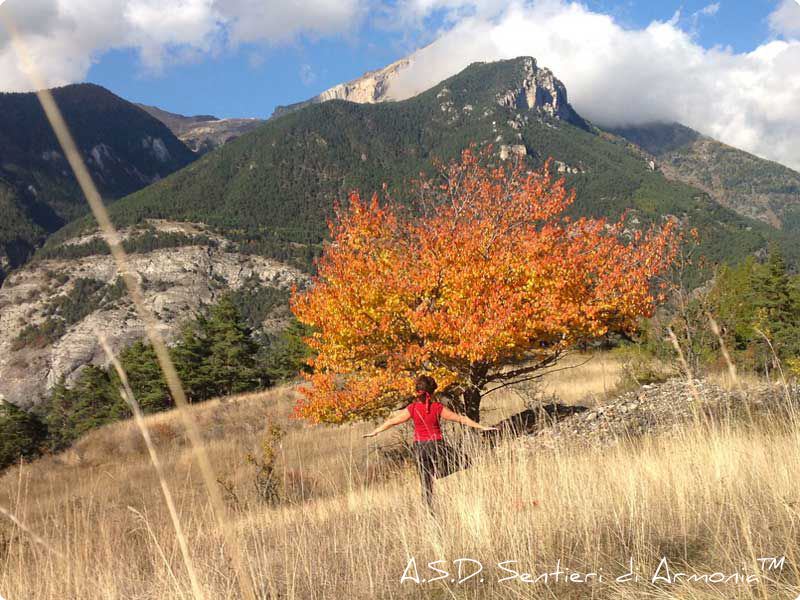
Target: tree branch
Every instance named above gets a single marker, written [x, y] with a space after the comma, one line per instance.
[534, 377]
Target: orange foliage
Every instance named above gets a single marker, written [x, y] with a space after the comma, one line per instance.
[484, 271]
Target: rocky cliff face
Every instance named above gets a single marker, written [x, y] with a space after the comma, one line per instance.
[207, 136]
[51, 311]
[371, 87]
[540, 91]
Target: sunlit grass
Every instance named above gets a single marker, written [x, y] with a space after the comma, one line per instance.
[709, 500]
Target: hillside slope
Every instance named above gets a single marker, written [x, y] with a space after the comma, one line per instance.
[753, 187]
[125, 149]
[348, 518]
[271, 190]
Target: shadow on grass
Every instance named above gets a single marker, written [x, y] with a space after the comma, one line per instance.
[526, 422]
[531, 420]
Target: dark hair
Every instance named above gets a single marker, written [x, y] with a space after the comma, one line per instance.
[425, 383]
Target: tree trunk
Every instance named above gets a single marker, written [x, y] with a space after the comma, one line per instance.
[472, 404]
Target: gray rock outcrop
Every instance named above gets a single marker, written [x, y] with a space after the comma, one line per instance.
[177, 282]
[542, 92]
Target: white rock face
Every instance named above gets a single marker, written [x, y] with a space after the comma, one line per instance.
[177, 282]
[370, 88]
[158, 148]
[514, 150]
[212, 134]
[99, 154]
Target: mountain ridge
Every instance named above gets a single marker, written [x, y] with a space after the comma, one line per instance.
[752, 186]
[124, 147]
[203, 133]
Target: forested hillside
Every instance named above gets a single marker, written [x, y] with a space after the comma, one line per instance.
[753, 187]
[271, 190]
[125, 149]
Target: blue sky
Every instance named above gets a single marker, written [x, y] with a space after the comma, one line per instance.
[253, 79]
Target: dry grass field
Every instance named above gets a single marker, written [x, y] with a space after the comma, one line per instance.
[712, 501]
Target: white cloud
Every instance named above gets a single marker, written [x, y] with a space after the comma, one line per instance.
[617, 76]
[307, 74]
[710, 10]
[785, 20]
[65, 36]
[280, 21]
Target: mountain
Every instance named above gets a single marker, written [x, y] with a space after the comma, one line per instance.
[753, 187]
[271, 190]
[252, 214]
[125, 149]
[202, 133]
[371, 87]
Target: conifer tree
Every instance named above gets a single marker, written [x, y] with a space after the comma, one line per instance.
[146, 379]
[21, 434]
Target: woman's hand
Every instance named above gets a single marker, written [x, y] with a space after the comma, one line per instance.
[489, 429]
[370, 434]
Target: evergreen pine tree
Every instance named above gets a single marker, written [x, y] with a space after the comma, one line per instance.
[22, 434]
[97, 403]
[287, 355]
[191, 356]
[145, 377]
[232, 359]
[776, 312]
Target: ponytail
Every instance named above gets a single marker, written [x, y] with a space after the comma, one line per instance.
[423, 396]
[425, 386]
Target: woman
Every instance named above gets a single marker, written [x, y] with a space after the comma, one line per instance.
[429, 446]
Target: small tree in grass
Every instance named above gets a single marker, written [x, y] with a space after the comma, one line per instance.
[481, 283]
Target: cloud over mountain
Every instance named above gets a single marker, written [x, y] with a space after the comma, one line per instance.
[620, 76]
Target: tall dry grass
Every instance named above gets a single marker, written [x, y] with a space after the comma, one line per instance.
[708, 499]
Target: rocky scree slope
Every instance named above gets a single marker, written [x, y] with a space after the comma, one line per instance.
[52, 310]
[658, 408]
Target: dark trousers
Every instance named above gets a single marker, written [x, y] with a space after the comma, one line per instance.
[429, 458]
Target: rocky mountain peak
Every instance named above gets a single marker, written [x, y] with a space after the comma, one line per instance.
[539, 90]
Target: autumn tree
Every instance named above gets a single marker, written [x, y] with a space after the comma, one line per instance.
[480, 280]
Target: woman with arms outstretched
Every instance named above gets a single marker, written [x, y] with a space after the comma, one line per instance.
[429, 446]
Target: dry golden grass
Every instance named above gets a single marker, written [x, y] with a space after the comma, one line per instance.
[709, 500]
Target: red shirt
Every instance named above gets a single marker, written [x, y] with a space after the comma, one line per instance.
[426, 424]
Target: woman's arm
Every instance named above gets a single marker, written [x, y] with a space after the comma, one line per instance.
[449, 415]
[400, 416]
